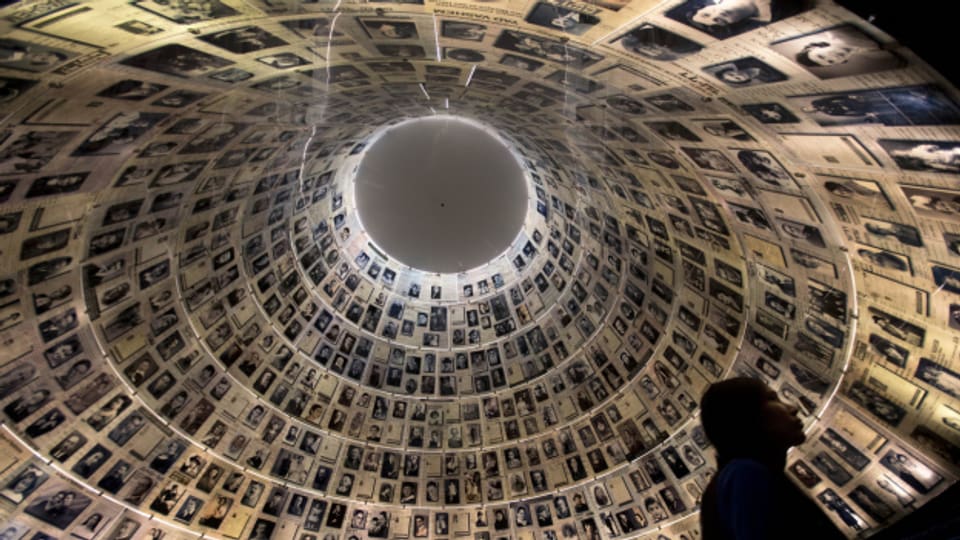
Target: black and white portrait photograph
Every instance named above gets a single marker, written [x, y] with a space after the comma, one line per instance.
[655, 43]
[803, 232]
[916, 474]
[577, 83]
[132, 90]
[946, 278]
[766, 167]
[244, 40]
[839, 51]
[23, 483]
[726, 18]
[283, 60]
[867, 193]
[59, 506]
[710, 159]
[898, 327]
[271, 85]
[669, 103]
[95, 458]
[128, 428]
[140, 28]
[401, 51]
[308, 28]
[389, 29]
[32, 151]
[179, 98]
[744, 72]
[546, 49]
[154, 274]
[58, 325]
[336, 74]
[938, 376]
[231, 75]
[837, 505]
[884, 259]
[214, 137]
[177, 60]
[187, 13]
[31, 57]
[935, 203]
[771, 113]
[106, 241]
[43, 244]
[900, 106]
[11, 88]
[118, 133]
[463, 30]
[871, 503]
[671, 131]
[879, 230]
[564, 19]
[726, 129]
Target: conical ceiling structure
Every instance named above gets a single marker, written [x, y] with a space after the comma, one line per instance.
[203, 335]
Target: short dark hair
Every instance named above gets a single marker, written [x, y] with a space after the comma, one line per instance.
[803, 57]
[730, 414]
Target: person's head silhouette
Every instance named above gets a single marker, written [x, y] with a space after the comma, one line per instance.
[744, 418]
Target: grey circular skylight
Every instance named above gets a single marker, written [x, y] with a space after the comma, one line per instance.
[441, 194]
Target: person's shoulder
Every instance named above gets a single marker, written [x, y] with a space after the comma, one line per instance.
[739, 473]
[747, 466]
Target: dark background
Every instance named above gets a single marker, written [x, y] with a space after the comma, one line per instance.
[928, 28]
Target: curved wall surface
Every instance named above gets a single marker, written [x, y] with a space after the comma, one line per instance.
[199, 337]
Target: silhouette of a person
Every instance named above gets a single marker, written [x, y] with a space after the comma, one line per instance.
[750, 497]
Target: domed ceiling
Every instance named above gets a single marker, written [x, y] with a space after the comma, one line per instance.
[200, 336]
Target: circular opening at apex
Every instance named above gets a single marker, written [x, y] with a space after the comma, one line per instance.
[412, 170]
